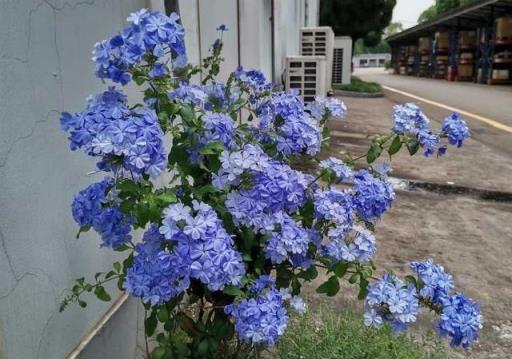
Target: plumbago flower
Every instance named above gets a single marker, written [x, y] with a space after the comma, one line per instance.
[231, 228]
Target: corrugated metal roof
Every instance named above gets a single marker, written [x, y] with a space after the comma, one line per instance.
[468, 16]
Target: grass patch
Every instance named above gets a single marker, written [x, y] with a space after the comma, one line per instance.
[325, 334]
[358, 85]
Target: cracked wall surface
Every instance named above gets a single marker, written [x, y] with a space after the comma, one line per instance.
[45, 68]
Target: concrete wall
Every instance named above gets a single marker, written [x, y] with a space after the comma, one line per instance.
[45, 67]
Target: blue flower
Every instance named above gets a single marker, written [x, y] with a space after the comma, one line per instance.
[128, 142]
[291, 239]
[263, 318]
[373, 196]
[190, 94]
[150, 32]
[409, 119]
[340, 169]
[204, 245]
[428, 141]
[219, 127]
[94, 207]
[222, 28]
[360, 248]
[337, 208]
[254, 81]
[456, 129]
[323, 107]
[461, 320]
[436, 283]
[391, 300]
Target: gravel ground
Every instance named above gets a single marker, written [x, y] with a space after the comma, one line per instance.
[470, 237]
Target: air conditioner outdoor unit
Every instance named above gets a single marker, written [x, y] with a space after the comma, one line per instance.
[319, 41]
[342, 60]
[306, 74]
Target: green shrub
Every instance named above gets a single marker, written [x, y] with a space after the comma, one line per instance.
[358, 85]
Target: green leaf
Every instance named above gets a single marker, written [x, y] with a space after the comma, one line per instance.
[187, 114]
[159, 353]
[150, 324]
[163, 315]
[331, 287]
[203, 347]
[126, 185]
[363, 289]
[340, 269]
[296, 286]
[396, 145]
[309, 274]
[373, 153]
[81, 303]
[413, 147]
[232, 290]
[353, 278]
[122, 248]
[102, 294]
[82, 230]
[212, 148]
[117, 267]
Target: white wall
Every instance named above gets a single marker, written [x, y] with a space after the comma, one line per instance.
[45, 68]
[256, 35]
[249, 40]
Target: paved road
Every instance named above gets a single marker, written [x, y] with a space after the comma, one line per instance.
[492, 102]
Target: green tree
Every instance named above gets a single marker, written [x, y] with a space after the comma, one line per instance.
[358, 19]
[428, 14]
[445, 5]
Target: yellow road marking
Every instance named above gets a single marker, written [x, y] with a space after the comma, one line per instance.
[486, 120]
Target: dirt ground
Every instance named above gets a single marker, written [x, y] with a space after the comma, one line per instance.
[470, 237]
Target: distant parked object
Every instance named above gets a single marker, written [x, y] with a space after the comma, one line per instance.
[371, 60]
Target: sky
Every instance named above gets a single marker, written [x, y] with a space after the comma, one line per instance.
[407, 11]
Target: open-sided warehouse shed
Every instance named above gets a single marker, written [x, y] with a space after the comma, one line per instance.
[471, 43]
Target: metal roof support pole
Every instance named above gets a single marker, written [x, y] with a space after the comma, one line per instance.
[453, 48]
[431, 58]
[487, 49]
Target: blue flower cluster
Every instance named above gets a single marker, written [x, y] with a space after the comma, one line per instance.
[214, 97]
[285, 122]
[151, 33]
[461, 320]
[391, 300]
[271, 190]
[410, 120]
[219, 127]
[254, 81]
[156, 276]
[336, 208]
[340, 169]
[129, 142]
[323, 107]
[436, 283]
[201, 241]
[94, 207]
[360, 248]
[263, 318]
[188, 94]
[456, 129]
[291, 242]
[373, 196]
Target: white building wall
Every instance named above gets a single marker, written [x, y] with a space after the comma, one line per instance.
[45, 68]
[256, 35]
[249, 40]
